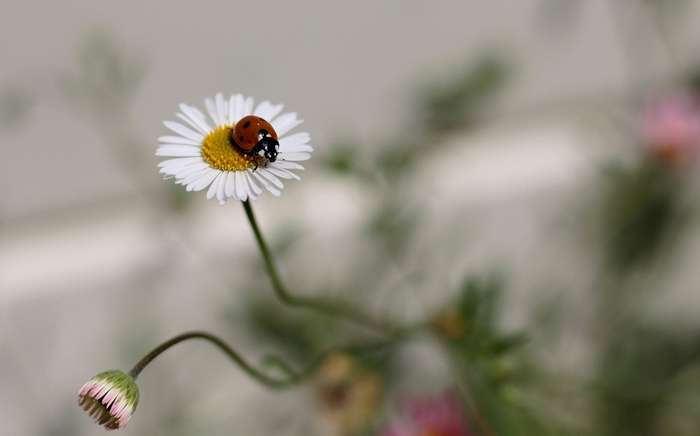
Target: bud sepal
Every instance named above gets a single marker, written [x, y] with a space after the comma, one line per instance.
[110, 398]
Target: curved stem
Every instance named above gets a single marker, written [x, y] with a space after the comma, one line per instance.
[256, 374]
[325, 306]
[291, 377]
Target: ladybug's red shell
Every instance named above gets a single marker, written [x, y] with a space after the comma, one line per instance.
[247, 131]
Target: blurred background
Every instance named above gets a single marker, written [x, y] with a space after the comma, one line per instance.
[517, 178]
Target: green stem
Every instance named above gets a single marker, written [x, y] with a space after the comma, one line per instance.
[325, 306]
[291, 376]
[256, 374]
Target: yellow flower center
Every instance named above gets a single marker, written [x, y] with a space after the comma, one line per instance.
[219, 153]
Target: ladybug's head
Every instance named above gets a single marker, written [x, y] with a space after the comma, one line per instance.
[268, 144]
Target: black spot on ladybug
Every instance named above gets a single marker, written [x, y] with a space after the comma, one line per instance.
[241, 138]
[246, 124]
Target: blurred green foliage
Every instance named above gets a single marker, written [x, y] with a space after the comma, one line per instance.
[638, 373]
[299, 335]
[492, 365]
[389, 225]
[641, 212]
[341, 159]
[101, 87]
[507, 389]
[457, 101]
[16, 103]
[444, 105]
[106, 76]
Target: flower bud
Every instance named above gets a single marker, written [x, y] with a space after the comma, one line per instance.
[110, 398]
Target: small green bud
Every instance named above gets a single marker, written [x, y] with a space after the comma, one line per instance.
[110, 398]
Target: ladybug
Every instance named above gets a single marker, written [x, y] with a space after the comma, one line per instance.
[252, 135]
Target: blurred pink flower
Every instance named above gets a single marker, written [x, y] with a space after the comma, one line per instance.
[440, 415]
[671, 128]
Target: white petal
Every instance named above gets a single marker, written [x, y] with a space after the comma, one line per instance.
[241, 186]
[193, 176]
[178, 162]
[203, 181]
[191, 123]
[295, 156]
[190, 169]
[184, 131]
[177, 140]
[179, 145]
[221, 108]
[282, 173]
[253, 187]
[169, 171]
[270, 177]
[262, 109]
[285, 123]
[287, 165]
[267, 110]
[240, 107]
[178, 151]
[296, 148]
[214, 186]
[300, 138]
[211, 109]
[275, 110]
[248, 106]
[195, 115]
[183, 170]
[230, 184]
[221, 188]
[274, 191]
[232, 109]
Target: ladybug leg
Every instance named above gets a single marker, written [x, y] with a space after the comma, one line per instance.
[255, 152]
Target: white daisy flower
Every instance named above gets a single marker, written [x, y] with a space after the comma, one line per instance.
[233, 159]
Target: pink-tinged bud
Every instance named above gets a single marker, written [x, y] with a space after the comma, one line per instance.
[110, 398]
[441, 415]
[671, 128]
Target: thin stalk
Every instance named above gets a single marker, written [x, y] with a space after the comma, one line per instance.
[291, 377]
[327, 307]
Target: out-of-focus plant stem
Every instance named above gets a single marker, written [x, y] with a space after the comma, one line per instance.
[329, 307]
[291, 377]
